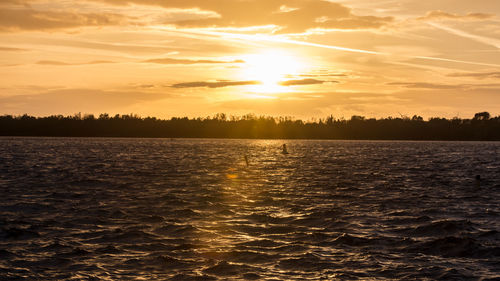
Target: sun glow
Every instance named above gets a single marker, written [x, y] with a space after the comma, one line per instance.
[270, 68]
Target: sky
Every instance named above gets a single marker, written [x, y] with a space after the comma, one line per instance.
[304, 59]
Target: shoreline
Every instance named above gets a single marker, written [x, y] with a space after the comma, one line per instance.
[264, 139]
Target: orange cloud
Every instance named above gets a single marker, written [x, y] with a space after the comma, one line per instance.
[287, 16]
[424, 85]
[69, 101]
[218, 84]
[290, 16]
[60, 63]
[188, 61]
[9, 49]
[440, 15]
[478, 75]
[29, 19]
[301, 82]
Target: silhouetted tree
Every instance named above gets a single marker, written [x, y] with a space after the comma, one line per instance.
[480, 127]
[482, 116]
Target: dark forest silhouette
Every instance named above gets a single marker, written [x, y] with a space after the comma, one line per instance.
[481, 127]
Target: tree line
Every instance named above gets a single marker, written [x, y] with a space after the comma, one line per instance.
[481, 127]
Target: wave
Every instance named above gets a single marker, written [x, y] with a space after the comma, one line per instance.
[114, 209]
[226, 269]
[452, 246]
[442, 228]
[14, 233]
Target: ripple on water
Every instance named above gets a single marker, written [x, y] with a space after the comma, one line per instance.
[158, 209]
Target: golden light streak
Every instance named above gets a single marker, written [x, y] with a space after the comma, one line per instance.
[281, 39]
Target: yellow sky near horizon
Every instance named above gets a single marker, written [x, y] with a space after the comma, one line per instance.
[300, 58]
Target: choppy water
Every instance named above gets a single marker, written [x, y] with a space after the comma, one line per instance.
[160, 209]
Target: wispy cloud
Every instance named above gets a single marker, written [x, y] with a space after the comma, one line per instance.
[301, 82]
[424, 85]
[437, 86]
[221, 84]
[106, 46]
[333, 74]
[217, 84]
[69, 101]
[440, 15]
[289, 16]
[189, 61]
[9, 49]
[60, 63]
[29, 19]
[478, 75]
[482, 39]
[279, 39]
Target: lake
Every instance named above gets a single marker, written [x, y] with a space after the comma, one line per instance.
[192, 209]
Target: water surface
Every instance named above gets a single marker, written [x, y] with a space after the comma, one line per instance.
[161, 209]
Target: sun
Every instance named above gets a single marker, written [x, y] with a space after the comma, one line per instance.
[270, 68]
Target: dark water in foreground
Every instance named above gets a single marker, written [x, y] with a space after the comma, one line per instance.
[159, 209]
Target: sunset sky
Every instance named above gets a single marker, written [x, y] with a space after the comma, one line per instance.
[299, 58]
